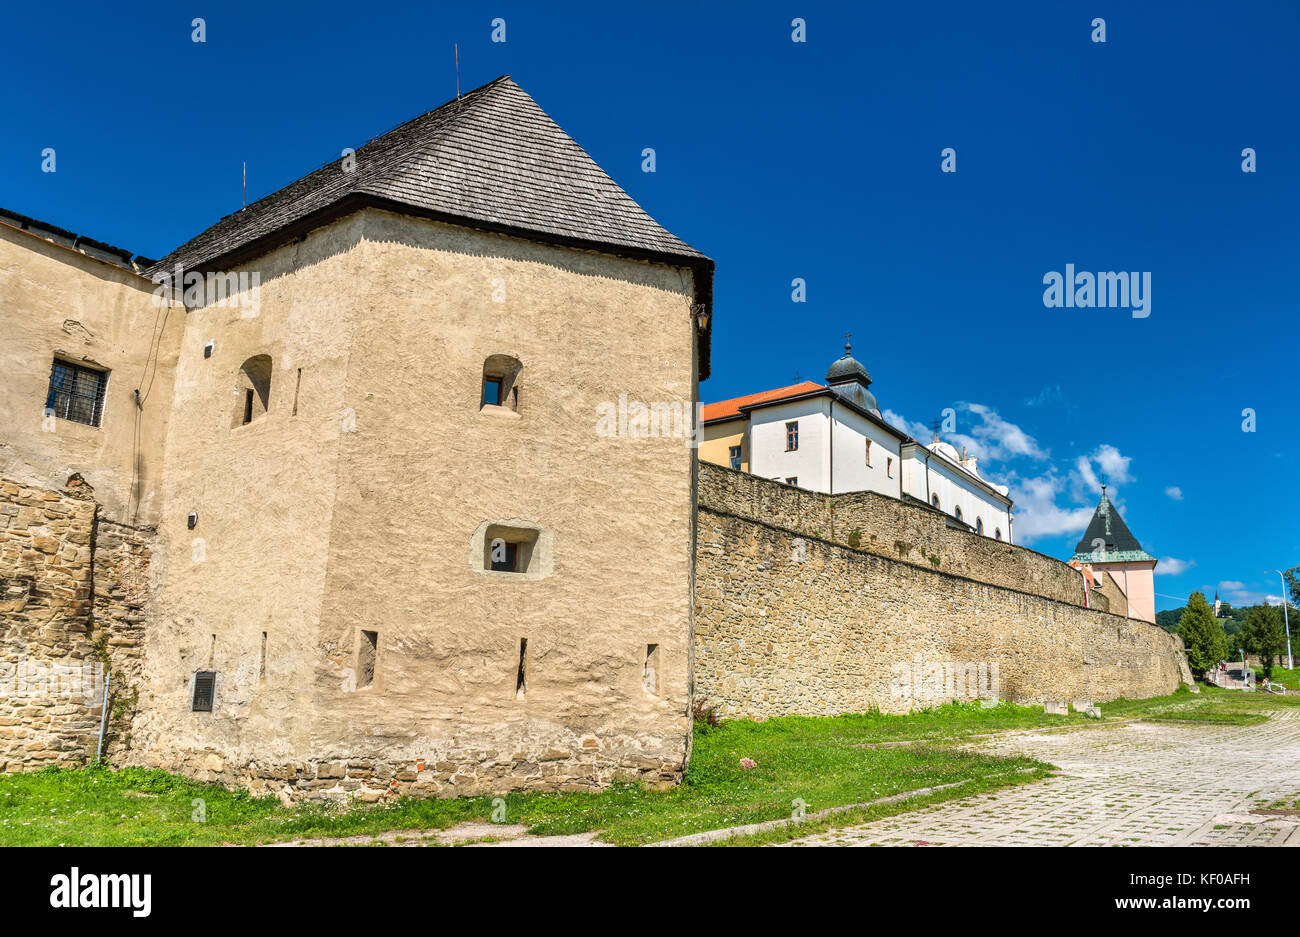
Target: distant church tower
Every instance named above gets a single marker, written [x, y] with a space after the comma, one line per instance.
[1216, 603]
[1112, 549]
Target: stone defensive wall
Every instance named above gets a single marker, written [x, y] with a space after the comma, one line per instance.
[814, 605]
[907, 531]
[73, 587]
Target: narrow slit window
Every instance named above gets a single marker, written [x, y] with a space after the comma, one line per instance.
[367, 654]
[521, 680]
[650, 672]
[261, 670]
[868, 453]
[296, 388]
[248, 407]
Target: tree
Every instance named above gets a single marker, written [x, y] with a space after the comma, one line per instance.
[1263, 635]
[1202, 634]
[1168, 619]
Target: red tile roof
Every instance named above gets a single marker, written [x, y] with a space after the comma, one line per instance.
[728, 409]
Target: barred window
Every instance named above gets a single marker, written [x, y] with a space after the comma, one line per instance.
[76, 393]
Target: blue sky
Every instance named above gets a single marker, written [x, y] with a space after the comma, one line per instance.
[818, 160]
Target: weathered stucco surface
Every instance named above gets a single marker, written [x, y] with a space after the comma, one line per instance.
[56, 302]
[357, 513]
[787, 623]
[362, 502]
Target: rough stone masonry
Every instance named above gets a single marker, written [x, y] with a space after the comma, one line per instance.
[791, 623]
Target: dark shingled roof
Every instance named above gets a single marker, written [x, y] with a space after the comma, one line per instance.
[77, 242]
[1107, 526]
[492, 159]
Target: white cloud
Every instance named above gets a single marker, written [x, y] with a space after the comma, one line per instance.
[1047, 395]
[1037, 513]
[1170, 566]
[1000, 439]
[916, 430]
[1239, 595]
[1248, 597]
[1085, 480]
[1174, 492]
[987, 436]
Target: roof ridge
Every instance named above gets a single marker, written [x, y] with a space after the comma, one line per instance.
[476, 94]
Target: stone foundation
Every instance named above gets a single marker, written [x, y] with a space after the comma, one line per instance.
[72, 596]
[588, 764]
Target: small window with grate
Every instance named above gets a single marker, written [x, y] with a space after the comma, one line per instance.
[205, 686]
[76, 393]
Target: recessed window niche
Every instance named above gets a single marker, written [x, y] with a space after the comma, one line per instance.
[512, 549]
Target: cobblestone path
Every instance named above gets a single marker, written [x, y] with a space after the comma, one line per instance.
[1135, 784]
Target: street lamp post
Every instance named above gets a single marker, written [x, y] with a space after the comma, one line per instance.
[1286, 618]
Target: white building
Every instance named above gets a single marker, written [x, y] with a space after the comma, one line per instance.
[831, 438]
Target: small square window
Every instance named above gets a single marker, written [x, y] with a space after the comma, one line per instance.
[510, 552]
[792, 480]
[205, 685]
[492, 392]
[76, 393]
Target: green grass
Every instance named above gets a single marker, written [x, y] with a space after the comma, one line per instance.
[822, 761]
[1288, 678]
[1288, 803]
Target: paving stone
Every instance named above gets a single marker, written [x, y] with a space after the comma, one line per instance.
[1136, 784]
